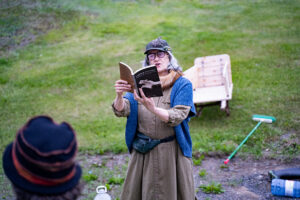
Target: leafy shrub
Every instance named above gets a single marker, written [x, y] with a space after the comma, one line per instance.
[89, 177]
[116, 180]
[202, 173]
[212, 188]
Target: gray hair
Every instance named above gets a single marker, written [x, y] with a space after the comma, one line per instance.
[173, 62]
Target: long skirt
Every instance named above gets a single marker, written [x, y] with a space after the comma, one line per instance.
[161, 174]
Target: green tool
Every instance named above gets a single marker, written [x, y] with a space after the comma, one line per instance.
[260, 119]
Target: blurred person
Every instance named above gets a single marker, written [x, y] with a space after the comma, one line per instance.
[162, 168]
[40, 162]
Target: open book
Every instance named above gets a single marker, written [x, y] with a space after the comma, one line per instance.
[146, 78]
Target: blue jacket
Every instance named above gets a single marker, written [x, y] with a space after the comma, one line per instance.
[181, 94]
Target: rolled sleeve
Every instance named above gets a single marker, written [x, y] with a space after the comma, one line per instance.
[123, 113]
[177, 114]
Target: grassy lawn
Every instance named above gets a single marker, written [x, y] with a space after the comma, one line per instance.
[69, 69]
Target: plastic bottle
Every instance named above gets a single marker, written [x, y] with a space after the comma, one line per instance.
[102, 193]
[281, 187]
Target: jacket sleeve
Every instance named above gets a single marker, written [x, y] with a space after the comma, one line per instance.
[184, 96]
[177, 114]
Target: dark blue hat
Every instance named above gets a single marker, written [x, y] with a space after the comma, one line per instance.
[158, 44]
[42, 157]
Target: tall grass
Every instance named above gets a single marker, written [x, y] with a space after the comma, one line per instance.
[69, 72]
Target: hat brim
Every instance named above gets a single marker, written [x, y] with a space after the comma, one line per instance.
[155, 48]
[22, 183]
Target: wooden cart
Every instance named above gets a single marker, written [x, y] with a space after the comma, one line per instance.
[212, 82]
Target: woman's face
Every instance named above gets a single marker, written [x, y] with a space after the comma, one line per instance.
[160, 59]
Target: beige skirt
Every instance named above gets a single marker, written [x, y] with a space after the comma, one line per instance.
[161, 174]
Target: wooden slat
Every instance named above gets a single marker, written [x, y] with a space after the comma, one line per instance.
[210, 94]
[211, 59]
[210, 71]
[205, 63]
[210, 81]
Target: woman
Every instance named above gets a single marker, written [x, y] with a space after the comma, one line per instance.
[166, 171]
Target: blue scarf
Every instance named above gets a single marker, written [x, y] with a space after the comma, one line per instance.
[181, 94]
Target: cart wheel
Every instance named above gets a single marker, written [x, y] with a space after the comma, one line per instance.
[199, 111]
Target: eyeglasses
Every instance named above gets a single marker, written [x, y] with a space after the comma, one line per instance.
[159, 54]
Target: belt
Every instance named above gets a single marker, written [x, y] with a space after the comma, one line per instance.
[144, 144]
[167, 139]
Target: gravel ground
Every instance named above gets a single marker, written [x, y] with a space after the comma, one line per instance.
[241, 179]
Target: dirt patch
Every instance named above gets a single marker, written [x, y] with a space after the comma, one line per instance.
[241, 179]
[23, 21]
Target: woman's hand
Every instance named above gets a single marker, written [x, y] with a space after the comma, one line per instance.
[147, 102]
[150, 105]
[121, 86]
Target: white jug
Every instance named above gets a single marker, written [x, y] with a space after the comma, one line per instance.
[102, 193]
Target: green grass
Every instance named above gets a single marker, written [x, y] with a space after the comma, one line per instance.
[202, 173]
[198, 160]
[89, 177]
[212, 188]
[68, 72]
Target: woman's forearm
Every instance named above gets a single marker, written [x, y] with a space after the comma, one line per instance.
[119, 103]
[163, 114]
[121, 86]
